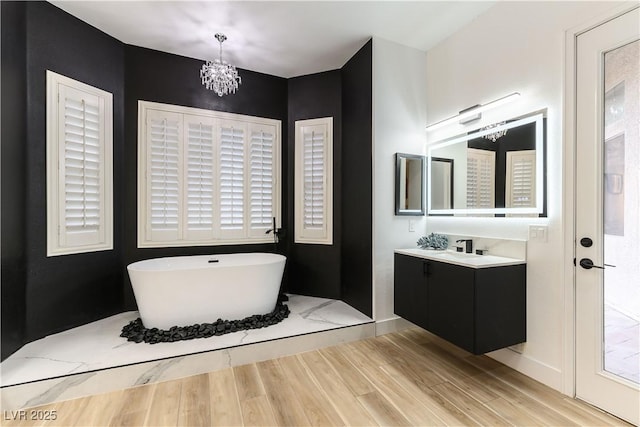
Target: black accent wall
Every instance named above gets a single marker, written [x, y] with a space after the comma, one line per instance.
[43, 295]
[13, 134]
[55, 293]
[315, 269]
[357, 180]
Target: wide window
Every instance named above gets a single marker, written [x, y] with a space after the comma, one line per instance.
[206, 177]
[79, 167]
[314, 181]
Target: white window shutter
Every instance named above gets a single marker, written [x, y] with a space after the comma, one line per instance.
[481, 166]
[79, 167]
[521, 179]
[205, 177]
[164, 171]
[313, 186]
[262, 178]
[199, 183]
[231, 174]
[314, 175]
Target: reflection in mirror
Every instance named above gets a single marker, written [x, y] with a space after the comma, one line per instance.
[441, 176]
[499, 170]
[409, 184]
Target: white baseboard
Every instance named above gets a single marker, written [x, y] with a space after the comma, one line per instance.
[531, 367]
[393, 324]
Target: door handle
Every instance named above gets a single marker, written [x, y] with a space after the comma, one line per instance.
[425, 267]
[587, 264]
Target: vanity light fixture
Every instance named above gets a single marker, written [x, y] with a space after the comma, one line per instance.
[218, 75]
[473, 113]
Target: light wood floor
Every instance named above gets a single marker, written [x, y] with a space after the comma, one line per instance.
[400, 379]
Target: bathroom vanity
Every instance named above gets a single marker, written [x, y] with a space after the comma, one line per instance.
[477, 302]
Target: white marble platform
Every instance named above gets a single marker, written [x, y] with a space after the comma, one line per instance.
[93, 358]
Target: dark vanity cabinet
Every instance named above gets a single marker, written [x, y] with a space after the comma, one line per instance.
[478, 309]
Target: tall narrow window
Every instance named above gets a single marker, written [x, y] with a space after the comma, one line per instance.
[79, 167]
[313, 186]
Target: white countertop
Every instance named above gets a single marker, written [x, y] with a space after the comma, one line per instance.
[461, 258]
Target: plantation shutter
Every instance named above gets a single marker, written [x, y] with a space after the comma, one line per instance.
[314, 161]
[521, 179]
[232, 179]
[164, 210]
[81, 168]
[199, 154]
[205, 177]
[262, 180]
[313, 181]
[481, 165]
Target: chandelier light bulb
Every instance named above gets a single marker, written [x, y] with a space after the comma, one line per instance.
[218, 75]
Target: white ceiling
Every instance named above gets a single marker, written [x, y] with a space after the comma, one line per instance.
[282, 38]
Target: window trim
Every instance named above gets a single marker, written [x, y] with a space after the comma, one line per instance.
[53, 149]
[218, 117]
[301, 234]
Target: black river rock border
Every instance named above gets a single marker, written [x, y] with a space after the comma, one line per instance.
[136, 332]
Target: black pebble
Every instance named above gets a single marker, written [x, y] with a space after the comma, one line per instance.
[136, 332]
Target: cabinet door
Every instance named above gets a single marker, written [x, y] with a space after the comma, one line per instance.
[451, 303]
[501, 307]
[410, 289]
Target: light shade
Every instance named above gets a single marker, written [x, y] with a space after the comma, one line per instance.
[474, 111]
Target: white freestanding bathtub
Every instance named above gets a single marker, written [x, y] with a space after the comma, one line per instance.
[186, 290]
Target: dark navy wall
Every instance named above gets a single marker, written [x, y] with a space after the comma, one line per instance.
[13, 134]
[315, 269]
[357, 180]
[162, 77]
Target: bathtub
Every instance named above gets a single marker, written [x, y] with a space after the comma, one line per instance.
[185, 290]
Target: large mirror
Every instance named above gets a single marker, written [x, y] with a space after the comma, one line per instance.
[409, 184]
[499, 171]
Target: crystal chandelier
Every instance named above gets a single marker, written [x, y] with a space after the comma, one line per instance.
[495, 135]
[218, 75]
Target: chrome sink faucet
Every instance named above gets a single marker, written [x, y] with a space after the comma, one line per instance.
[468, 245]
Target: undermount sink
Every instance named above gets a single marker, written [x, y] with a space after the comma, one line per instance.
[449, 252]
[462, 258]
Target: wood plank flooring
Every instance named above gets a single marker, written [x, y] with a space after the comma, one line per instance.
[406, 378]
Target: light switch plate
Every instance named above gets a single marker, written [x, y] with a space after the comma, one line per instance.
[412, 225]
[538, 233]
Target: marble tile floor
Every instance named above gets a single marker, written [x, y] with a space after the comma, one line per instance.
[622, 345]
[98, 345]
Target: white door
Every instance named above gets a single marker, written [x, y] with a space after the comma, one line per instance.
[608, 216]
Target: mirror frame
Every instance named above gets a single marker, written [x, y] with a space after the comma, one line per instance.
[451, 175]
[538, 119]
[410, 212]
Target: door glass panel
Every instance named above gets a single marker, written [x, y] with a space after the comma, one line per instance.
[621, 200]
